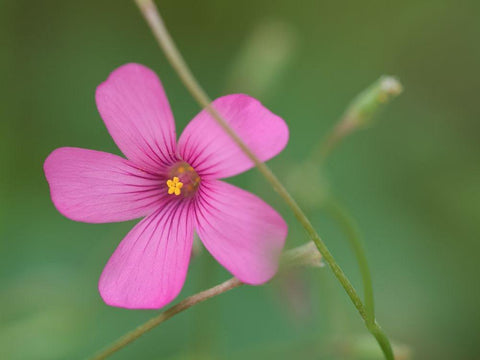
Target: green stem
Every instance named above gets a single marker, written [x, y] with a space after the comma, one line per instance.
[331, 140]
[164, 316]
[359, 114]
[353, 235]
[303, 255]
[157, 25]
[350, 228]
[382, 340]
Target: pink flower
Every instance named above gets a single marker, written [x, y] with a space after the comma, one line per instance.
[174, 185]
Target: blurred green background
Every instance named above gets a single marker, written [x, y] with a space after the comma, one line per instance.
[412, 181]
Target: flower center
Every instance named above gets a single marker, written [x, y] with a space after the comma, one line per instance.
[174, 186]
[183, 180]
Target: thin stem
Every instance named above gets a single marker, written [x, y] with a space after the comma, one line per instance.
[164, 316]
[331, 140]
[156, 23]
[382, 340]
[304, 255]
[353, 235]
[359, 114]
[350, 228]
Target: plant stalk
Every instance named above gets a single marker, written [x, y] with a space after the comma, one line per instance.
[304, 255]
[157, 25]
[353, 235]
[164, 316]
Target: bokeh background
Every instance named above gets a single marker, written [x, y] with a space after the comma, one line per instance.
[412, 181]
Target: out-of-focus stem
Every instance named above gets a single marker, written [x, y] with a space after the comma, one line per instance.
[156, 23]
[359, 113]
[164, 316]
[353, 235]
[304, 255]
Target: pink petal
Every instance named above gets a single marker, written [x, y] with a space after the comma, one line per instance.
[148, 268]
[212, 153]
[93, 186]
[240, 230]
[135, 109]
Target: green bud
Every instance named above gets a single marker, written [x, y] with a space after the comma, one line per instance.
[363, 108]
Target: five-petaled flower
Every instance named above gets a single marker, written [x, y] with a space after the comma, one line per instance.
[174, 185]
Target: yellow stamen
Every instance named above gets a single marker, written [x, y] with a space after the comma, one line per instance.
[174, 186]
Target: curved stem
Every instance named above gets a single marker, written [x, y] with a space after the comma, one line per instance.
[353, 235]
[164, 316]
[382, 339]
[153, 18]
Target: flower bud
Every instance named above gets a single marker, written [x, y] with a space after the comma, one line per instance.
[363, 108]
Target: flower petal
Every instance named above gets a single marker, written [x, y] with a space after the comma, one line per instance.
[135, 109]
[240, 230]
[148, 268]
[96, 187]
[213, 154]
